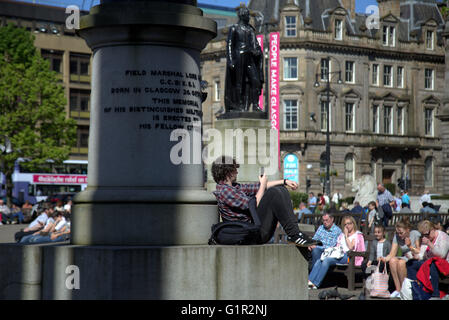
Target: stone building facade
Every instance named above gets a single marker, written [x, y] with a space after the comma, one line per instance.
[383, 113]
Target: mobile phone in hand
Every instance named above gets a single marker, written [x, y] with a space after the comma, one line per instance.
[261, 171]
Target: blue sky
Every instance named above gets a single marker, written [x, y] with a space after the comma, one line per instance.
[360, 4]
[86, 4]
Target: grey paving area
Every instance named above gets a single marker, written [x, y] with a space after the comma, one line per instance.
[7, 232]
[333, 280]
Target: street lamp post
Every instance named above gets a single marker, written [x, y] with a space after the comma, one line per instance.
[327, 186]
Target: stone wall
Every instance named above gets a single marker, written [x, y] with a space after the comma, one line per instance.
[168, 273]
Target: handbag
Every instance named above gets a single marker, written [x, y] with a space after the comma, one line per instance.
[380, 283]
[332, 252]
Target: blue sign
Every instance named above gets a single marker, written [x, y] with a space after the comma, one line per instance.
[291, 168]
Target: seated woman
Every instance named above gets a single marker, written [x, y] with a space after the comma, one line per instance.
[436, 243]
[350, 240]
[409, 242]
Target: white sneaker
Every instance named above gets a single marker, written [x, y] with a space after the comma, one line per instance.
[311, 285]
[395, 294]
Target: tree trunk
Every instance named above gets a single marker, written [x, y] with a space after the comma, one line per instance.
[9, 188]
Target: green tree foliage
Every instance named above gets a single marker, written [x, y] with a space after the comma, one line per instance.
[32, 106]
[298, 197]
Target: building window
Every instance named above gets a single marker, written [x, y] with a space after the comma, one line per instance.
[290, 26]
[428, 79]
[217, 90]
[400, 77]
[429, 39]
[375, 75]
[428, 172]
[375, 119]
[79, 67]
[290, 68]
[290, 114]
[400, 119]
[338, 30]
[55, 59]
[428, 122]
[349, 117]
[82, 138]
[388, 120]
[79, 104]
[388, 36]
[325, 69]
[349, 168]
[324, 115]
[349, 71]
[388, 76]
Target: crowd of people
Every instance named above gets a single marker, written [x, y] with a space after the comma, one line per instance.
[47, 222]
[408, 251]
[375, 212]
[406, 254]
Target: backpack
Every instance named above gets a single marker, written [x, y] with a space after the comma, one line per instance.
[234, 233]
[237, 232]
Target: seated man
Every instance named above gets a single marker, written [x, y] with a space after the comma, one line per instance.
[4, 212]
[55, 233]
[273, 202]
[357, 207]
[303, 210]
[36, 225]
[16, 213]
[427, 208]
[327, 234]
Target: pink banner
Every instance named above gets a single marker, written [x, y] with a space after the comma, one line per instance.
[260, 40]
[59, 179]
[274, 86]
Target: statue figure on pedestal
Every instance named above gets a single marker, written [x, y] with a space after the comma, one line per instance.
[366, 189]
[244, 69]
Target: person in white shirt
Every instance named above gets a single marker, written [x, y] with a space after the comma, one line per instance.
[54, 226]
[336, 198]
[36, 225]
[68, 206]
[48, 227]
[425, 197]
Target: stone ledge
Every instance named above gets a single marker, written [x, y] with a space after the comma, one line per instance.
[175, 272]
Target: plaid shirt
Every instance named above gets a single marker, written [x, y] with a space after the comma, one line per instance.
[233, 201]
[327, 237]
[384, 197]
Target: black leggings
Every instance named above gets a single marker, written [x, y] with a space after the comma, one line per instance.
[276, 205]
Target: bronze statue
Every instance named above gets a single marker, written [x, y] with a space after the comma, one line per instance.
[244, 69]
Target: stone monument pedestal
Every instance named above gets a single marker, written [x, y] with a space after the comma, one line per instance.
[261, 272]
[250, 141]
[145, 96]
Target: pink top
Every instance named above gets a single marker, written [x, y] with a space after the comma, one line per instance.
[441, 247]
[359, 245]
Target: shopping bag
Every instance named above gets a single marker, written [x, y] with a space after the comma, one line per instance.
[380, 283]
